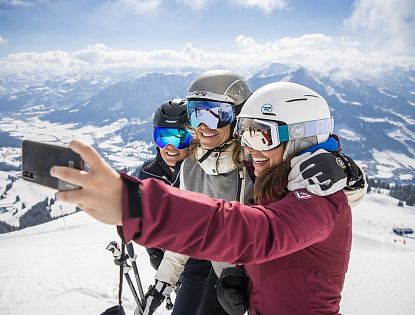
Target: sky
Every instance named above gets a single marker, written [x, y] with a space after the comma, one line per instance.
[62, 36]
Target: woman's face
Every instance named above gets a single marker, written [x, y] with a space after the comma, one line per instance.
[171, 155]
[265, 159]
[212, 138]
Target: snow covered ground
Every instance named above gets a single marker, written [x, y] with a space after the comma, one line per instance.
[62, 267]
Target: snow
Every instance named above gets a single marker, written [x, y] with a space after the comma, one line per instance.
[382, 91]
[393, 159]
[349, 135]
[62, 267]
[406, 177]
[119, 154]
[331, 91]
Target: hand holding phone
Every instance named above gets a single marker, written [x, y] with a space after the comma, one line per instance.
[38, 158]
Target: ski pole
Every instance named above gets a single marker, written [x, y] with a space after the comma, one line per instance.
[119, 259]
[133, 258]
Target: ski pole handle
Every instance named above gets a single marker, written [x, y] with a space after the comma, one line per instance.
[114, 249]
[130, 251]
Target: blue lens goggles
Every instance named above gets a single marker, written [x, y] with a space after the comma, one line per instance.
[180, 138]
[213, 114]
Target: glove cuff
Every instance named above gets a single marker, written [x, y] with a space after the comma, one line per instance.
[163, 287]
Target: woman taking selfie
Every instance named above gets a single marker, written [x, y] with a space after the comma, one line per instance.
[295, 245]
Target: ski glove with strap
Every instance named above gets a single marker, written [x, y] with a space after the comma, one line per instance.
[324, 173]
[156, 295]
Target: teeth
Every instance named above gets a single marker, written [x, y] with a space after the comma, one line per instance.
[171, 153]
[260, 160]
[208, 134]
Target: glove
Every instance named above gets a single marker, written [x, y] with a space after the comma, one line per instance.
[156, 256]
[232, 290]
[155, 296]
[323, 173]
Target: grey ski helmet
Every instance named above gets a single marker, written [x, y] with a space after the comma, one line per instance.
[220, 85]
[171, 114]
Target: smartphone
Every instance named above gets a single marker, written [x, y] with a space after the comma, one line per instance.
[38, 158]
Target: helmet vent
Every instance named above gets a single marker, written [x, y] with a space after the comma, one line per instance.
[296, 100]
[239, 91]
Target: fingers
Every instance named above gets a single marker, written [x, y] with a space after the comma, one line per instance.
[87, 152]
[75, 196]
[69, 175]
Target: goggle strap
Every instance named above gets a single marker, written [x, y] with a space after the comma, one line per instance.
[305, 129]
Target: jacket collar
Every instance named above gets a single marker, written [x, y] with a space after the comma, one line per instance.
[218, 162]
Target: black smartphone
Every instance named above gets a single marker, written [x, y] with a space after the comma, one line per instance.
[38, 158]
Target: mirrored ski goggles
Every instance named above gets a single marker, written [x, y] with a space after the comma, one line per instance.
[180, 138]
[262, 135]
[213, 114]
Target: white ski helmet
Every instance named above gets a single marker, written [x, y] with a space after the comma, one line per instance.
[306, 113]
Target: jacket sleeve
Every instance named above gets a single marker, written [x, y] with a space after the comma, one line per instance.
[171, 267]
[201, 227]
[355, 196]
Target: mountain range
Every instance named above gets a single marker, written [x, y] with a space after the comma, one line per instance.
[374, 118]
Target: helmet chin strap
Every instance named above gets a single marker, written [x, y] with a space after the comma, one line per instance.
[220, 148]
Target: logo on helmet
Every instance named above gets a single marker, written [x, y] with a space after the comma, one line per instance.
[297, 131]
[266, 109]
[200, 93]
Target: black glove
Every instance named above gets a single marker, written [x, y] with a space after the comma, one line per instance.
[232, 290]
[323, 173]
[155, 296]
[156, 256]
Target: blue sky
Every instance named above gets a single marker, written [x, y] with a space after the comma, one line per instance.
[71, 25]
[206, 29]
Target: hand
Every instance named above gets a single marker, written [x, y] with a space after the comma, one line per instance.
[101, 189]
[321, 173]
[156, 256]
[156, 295]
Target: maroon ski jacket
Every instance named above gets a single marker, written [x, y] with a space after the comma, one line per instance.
[295, 250]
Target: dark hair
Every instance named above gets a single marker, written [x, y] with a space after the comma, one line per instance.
[272, 182]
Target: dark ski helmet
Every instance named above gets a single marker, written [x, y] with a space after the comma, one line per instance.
[221, 86]
[171, 114]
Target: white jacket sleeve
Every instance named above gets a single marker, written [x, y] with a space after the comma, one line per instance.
[354, 197]
[171, 267]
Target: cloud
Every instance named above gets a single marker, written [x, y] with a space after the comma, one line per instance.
[266, 6]
[341, 56]
[16, 3]
[139, 7]
[195, 4]
[387, 25]
[3, 40]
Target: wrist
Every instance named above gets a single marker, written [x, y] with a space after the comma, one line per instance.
[131, 207]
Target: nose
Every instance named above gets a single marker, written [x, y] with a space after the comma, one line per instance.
[170, 147]
[249, 150]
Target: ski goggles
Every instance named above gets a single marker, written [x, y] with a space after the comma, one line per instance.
[213, 114]
[180, 138]
[262, 135]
